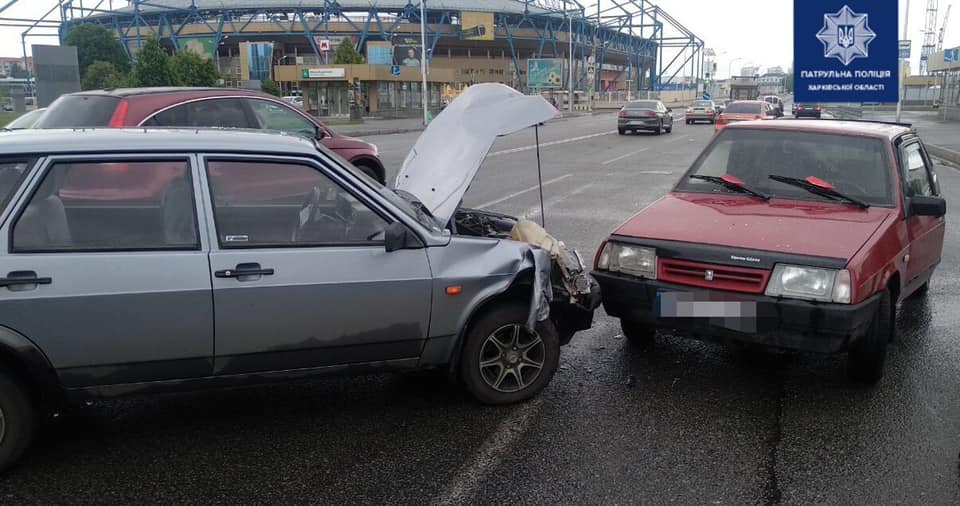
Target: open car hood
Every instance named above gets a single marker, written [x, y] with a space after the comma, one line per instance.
[446, 158]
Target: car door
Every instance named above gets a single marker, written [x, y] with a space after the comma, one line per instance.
[301, 276]
[105, 270]
[925, 233]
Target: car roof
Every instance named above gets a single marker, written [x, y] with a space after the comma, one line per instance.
[838, 127]
[150, 140]
[132, 92]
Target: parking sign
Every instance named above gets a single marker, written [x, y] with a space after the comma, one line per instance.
[846, 51]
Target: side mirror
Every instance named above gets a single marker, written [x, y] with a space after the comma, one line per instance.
[928, 206]
[397, 236]
[321, 134]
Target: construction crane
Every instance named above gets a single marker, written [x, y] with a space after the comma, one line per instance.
[929, 36]
[943, 28]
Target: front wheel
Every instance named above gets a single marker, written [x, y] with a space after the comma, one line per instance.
[16, 422]
[638, 334]
[866, 358]
[503, 362]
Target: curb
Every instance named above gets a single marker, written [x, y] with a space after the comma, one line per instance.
[370, 133]
[943, 153]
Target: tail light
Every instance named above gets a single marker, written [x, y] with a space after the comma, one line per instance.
[711, 112]
[689, 110]
[651, 113]
[800, 107]
[817, 108]
[119, 118]
[623, 114]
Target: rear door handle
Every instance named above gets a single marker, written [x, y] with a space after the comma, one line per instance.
[243, 271]
[22, 278]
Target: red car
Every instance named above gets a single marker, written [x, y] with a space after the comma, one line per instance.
[204, 107]
[801, 235]
[744, 110]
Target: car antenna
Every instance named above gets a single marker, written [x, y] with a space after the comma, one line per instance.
[543, 215]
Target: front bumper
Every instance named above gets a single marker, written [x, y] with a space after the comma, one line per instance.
[753, 319]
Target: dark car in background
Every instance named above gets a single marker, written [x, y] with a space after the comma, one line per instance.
[649, 115]
[807, 111]
[204, 107]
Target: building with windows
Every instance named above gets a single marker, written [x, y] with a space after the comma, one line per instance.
[945, 66]
[523, 43]
[771, 83]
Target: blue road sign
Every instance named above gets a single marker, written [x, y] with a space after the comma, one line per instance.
[905, 46]
[706, 95]
[395, 70]
[846, 51]
[951, 55]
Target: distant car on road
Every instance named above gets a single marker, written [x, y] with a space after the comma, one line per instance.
[801, 235]
[650, 115]
[745, 110]
[807, 111]
[702, 110]
[204, 107]
[28, 120]
[776, 102]
[721, 104]
[264, 258]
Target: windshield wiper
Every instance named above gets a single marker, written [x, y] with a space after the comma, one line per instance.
[821, 188]
[731, 183]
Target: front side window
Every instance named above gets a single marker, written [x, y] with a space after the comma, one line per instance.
[273, 116]
[11, 175]
[856, 166]
[918, 181]
[211, 113]
[269, 204]
[110, 206]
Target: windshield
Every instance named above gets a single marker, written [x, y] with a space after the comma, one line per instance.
[856, 166]
[744, 108]
[646, 104]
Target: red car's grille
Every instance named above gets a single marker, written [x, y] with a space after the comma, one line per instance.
[719, 277]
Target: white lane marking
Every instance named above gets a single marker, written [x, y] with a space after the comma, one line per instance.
[521, 192]
[617, 159]
[465, 484]
[682, 137]
[655, 172]
[552, 143]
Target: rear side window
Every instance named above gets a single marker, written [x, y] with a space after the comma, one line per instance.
[11, 175]
[77, 111]
[214, 113]
[110, 206]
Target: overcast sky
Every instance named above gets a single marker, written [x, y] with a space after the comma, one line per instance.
[759, 31]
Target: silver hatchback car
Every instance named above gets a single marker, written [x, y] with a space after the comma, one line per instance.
[147, 261]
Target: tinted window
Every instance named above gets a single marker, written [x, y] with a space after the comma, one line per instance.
[28, 120]
[918, 181]
[702, 103]
[742, 108]
[262, 204]
[110, 206]
[273, 116]
[856, 166]
[70, 111]
[645, 104]
[11, 174]
[214, 113]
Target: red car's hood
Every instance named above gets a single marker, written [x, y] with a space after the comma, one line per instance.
[788, 226]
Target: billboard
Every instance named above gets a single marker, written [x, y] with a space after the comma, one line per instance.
[407, 51]
[545, 73]
[846, 51]
[379, 53]
[477, 26]
[56, 70]
[204, 47]
[256, 59]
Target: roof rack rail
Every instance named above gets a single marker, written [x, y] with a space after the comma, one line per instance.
[894, 123]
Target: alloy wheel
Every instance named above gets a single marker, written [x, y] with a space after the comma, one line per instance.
[511, 358]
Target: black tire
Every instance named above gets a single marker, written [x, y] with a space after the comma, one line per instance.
[621, 131]
[670, 129]
[490, 384]
[866, 358]
[688, 122]
[659, 129]
[370, 171]
[637, 333]
[921, 292]
[17, 422]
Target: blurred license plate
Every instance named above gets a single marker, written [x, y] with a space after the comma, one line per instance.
[702, 305]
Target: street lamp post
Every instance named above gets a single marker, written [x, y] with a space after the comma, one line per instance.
[423, 59]
[900, 92]
[570, 57]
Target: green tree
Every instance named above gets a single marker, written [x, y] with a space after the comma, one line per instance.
[102, 74]
[96, 43]
[270, 86]
[152, 67]
[347, 54]
[190, 69]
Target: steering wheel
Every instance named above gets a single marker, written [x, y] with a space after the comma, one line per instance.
[311, 212]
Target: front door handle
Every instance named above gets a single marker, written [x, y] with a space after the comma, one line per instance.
[22, 278]
[244, 271]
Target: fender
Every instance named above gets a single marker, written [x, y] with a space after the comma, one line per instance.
[29, 362]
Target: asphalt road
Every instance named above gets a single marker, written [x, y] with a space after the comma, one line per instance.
[682, 422]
